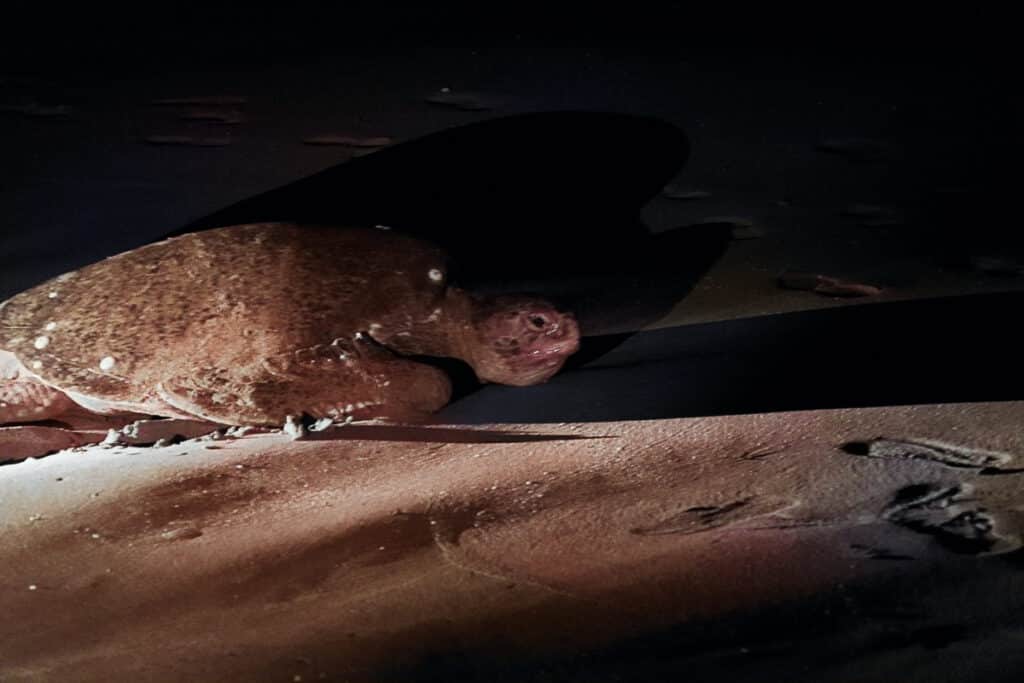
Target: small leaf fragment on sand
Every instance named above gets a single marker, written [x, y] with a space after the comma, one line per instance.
[348, 141]
[825, 285]
[187, 141]
[684, 193]
[203, 100]
[465, 101]
[214, 116]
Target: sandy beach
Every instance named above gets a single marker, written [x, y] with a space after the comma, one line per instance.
[789, 447]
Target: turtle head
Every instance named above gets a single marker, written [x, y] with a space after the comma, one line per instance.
[520, 339]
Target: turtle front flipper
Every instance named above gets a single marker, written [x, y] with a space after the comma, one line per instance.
[28, 400]
[354, 380]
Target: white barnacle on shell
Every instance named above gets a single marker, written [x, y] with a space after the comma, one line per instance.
[107, 363]
[41, 342]
[435, 275]
[37, 364]
[53, 295]
[50, 326]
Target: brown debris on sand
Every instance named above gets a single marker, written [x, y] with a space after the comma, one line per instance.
[347, 141]
[855, 149]
[202, 100]
[186, 141]
[463, 101]
[214, 116]
[825, 285]
[684, 193]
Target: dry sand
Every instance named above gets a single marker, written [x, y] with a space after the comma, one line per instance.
[520, 552]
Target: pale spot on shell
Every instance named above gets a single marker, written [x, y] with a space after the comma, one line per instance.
[41, 342]
[53, 295]
[435, 274]
[107, 363]
[16, 340]
[50, 326]
[36, 364]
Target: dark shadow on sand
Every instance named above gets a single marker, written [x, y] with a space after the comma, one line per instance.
[357, 432]
[956, 349]
[545, 202]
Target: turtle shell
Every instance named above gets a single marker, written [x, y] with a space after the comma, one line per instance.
[214, 300]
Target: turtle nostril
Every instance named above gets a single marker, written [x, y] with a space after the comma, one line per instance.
[538, 322]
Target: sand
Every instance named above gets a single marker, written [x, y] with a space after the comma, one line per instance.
[649, 514]
[509, 552]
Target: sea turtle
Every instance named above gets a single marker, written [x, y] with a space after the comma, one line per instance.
[252, 324]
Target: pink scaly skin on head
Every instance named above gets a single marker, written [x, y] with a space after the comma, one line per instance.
[516, 340]
[521, 340]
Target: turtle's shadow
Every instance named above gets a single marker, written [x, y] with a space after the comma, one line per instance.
[433, 434]
[544, 202]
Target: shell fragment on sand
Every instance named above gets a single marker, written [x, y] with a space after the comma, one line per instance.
[825, 285]
[348, 141]
[186, 141]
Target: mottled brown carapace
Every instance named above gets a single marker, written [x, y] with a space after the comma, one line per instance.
[249, 324]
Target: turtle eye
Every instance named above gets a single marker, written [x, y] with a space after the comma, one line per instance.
[537, 322]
